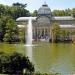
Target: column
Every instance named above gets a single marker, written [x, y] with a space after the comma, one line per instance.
[33, 32]
[40, 31]
[37, 32]
[44, 31]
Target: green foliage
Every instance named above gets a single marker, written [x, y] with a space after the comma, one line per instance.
[59, 34]
[58, 13]
[22, 34]
[9, 29]
[20, 5]
[35, 12]
[0, 25]
[16, 10]
[14, 64]
[2, 9]
[66, 12]
[6, 37]
[8, 15]
[55, 31]
[64, 34]
[3, 20]
[73, 12]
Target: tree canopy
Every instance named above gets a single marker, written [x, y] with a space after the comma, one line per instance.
[15, 63]
[8, 15]
[66, 12]
[16, 10]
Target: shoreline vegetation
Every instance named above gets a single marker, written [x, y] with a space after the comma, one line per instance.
[15, 63]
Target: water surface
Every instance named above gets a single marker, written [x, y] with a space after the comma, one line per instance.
[48, 57]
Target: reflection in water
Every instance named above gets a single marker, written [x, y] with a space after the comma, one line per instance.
[48, 57]
[56, 58]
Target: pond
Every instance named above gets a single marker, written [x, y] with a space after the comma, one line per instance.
[48, 57]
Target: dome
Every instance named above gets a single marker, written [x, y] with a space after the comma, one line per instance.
[44, 10]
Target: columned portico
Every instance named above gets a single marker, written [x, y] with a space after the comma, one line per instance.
[41, 32]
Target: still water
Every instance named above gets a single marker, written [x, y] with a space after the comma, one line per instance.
[48, 57]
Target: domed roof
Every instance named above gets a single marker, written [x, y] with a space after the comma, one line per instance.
[44, 10]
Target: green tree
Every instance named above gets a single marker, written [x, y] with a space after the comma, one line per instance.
[3, 20]
[22, 35]
[2, 9]
[34, 13]
[1, 30]
[58, 13]
[55, 29]
[19, 5]
[10, 30]
[18, 10]
[64, 34]
[66, 12]
[73, 12]
[14, 64]
[7, 26]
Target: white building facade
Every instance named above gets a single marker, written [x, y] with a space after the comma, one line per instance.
[44, 20]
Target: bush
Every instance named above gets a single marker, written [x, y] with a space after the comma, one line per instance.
[15, 64]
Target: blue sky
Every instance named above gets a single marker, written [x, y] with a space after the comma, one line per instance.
[35, 4]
